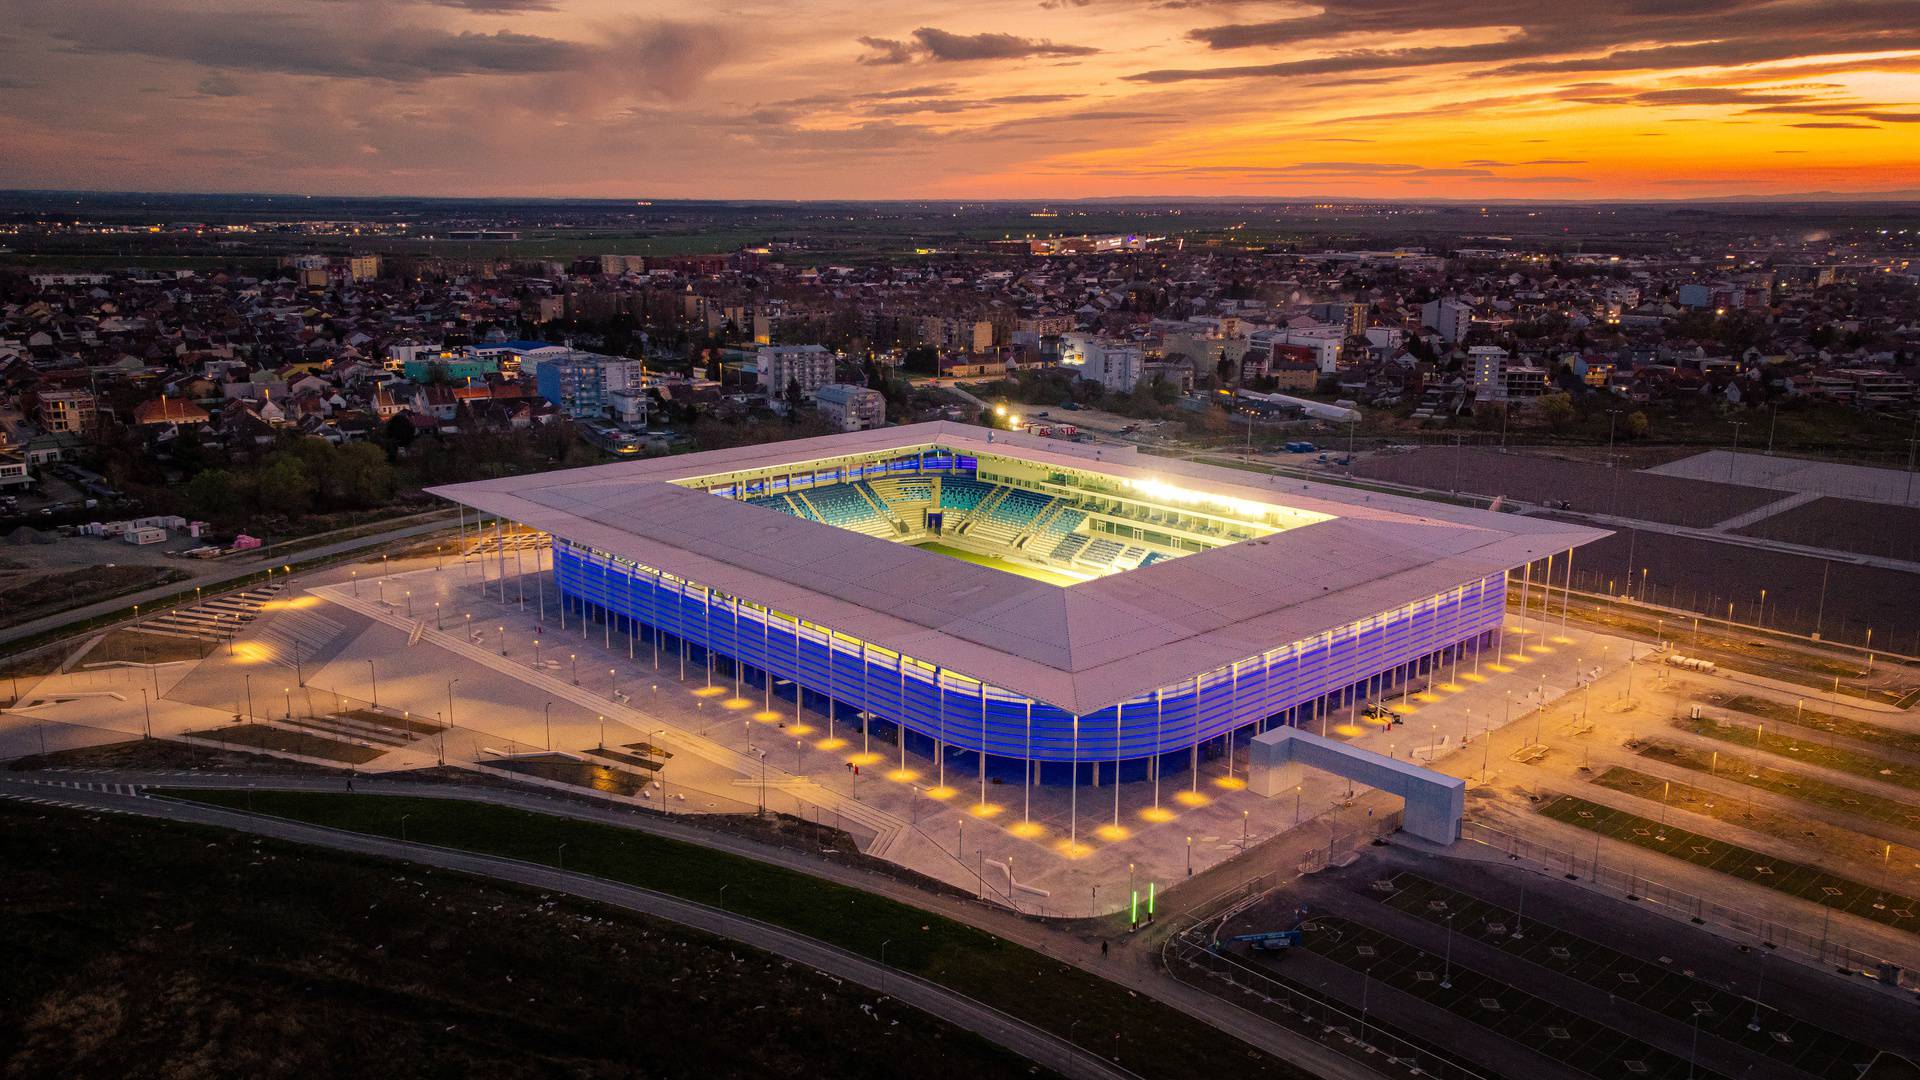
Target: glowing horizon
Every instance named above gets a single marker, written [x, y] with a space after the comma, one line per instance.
[1035, 99]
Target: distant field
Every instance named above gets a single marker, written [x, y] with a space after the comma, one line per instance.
[1002, 565]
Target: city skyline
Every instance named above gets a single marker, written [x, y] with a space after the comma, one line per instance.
[1039, 99]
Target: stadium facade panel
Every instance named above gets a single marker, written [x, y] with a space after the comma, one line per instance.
[968, 714]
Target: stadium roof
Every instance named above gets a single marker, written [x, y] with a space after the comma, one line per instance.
[1081, 647]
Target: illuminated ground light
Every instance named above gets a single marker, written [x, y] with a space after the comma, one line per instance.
[1501, 669]
[830, 744]
[1191, 798]
[290, 603]
[801, 729]
[1113, 833]
[768, 716]
[1027, 830]
[1540, 648]
[1520, 658]
[903, 776]
[1349, 730]
[1561, 639]
[941, 792]
[736, 703]
[986, 809]
[864, 759]
[1402, 709]
[1073, 849]
[1157, 814]
[1473, 677]
[1426, 697]
[251, 652]
[709, 691]
[1229, 783]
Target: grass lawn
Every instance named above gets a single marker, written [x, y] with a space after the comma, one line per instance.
[1002, 565]
[1563, 1035]
[202, 952]
[1841, 726]
[1645, 982]
[1751, 771]
[1858, 849]
[1799, 748]
[1155, 1040]
[1807, 882]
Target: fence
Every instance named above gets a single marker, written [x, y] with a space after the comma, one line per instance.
[1815, 944]
[1189, 954]
[1340, 845]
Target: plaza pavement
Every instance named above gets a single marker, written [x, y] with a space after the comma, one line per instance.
[1074, 851]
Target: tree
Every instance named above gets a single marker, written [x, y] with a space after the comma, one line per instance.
[285, 487]
[796, 399]
[400, 432]
[362, 476]
[1557, 411]
[1637, 425]
[213, 494]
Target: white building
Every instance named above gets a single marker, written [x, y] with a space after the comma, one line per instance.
[851, 408]
[780, 365]
[1450, 318]
[1114, 365]
[1325, 341]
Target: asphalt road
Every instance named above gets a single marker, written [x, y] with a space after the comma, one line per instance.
[1016, 1035]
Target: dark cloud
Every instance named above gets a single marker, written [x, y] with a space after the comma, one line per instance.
[1835, 124]
[659, 58]
[923, 91]
[1615, 33]
[498, 7]
[933, 44]
[1852, 110]
[886, 51]
[1717, 95]
[219, 86]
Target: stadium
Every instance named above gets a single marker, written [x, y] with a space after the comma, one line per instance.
[1027, 609]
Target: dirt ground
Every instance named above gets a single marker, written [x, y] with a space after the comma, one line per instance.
[1846, 525]
[1702, 575]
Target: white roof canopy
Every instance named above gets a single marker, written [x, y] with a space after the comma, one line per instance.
[1080, 647]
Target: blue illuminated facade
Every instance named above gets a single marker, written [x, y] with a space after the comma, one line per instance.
[945, 710]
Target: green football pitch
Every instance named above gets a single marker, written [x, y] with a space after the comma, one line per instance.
[1003, 565]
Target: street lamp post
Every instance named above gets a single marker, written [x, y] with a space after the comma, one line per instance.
[547, 711]
[450, 683]
[374, 678]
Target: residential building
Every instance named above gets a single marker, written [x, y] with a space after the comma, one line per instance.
[575, 384]
[66, 411]
[1449, 318]
[779, 366]
[1114, 365]
[851, 408]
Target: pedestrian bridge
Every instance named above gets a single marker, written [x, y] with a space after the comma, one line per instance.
[1435, 801]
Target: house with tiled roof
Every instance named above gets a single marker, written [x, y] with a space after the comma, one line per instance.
[169, 410]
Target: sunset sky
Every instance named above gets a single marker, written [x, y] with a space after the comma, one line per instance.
[995, 98]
